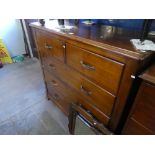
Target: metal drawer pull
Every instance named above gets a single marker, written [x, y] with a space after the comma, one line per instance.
[86, 92]
[48, 46]
[133, 76]
[52, 66]
[54, 83]
[87, 66]
[55, 96]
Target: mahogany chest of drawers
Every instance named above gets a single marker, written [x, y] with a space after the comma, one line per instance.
[85, 66]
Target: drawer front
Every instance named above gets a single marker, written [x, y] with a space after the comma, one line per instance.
[57, 98]
[50, 47]
[99, 97]
[59, 92]
[101, 70]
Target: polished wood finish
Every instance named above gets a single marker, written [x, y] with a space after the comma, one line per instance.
[142, 119]
[94, 68]
[110, 38]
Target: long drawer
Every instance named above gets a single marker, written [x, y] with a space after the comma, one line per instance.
[49, 47]
[99, 97]
[101, 70]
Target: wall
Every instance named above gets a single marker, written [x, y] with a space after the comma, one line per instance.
[11, 33]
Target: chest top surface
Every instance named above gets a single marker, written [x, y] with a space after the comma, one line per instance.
[108, 37]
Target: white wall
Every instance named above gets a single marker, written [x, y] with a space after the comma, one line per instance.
[11, 33]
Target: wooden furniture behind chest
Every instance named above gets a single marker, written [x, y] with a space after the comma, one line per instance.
[89, 66]
[142, 117]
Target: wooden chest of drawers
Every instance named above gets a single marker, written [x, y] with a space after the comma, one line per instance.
[89, 72]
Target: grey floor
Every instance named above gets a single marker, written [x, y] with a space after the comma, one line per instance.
[24, 109]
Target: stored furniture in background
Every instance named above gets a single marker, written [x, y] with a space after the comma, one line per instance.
[141, 120]
[31, 39]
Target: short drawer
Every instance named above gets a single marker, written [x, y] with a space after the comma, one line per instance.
[101, 70]
[57, 98]
[100, 98]
[49, 47]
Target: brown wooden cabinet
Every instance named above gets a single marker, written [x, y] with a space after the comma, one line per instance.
[81, 67]
[142, 116]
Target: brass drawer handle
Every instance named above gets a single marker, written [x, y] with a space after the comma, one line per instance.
[52, 66]
[54, 83]
[87, 66]
[86, 92]
[48, 46]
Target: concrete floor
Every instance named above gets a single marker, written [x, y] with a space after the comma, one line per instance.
[24, 108]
